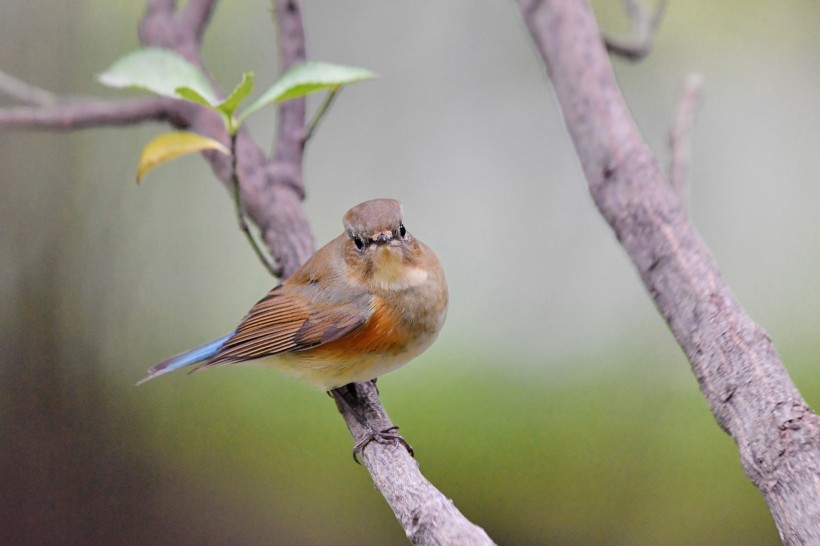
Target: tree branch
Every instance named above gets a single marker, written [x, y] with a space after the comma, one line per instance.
[25, 92]
[289, 144]
[741, 376]
[69, 116]
[272, 191]
[644, 25]
[427, 516]
[195, 15]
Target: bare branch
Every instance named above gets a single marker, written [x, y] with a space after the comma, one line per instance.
[644, 24]
[162, 26]
[427, 516]
[289, 145]
[741, 376]
[26, 93]
[79, 115]
[157, 27]
[195, 15]
[679, 136]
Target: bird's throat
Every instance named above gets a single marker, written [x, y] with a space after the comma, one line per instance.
[391, 272]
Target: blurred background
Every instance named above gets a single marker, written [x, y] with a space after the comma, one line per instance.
[555, 408]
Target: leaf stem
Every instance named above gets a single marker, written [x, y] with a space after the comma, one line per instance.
[320, 113]
[240, 211]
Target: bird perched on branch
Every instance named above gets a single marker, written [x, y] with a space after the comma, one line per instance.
[364, 304]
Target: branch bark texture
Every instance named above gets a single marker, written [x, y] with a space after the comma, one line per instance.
[427, 516]
[739, 372]
[272, 191]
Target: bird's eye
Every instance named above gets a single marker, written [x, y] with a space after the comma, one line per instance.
[359, 242]
[402, 230]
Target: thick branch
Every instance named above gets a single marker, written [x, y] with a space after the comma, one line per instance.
[735, 362]
[163, 26]
[195, 15]
[289, 145]
[289, 230]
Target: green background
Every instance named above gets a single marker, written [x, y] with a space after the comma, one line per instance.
[555, 407]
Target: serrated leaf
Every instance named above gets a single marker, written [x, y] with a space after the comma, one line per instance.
[242, 90]
[160, 71]
[168, 146]
[306, 78]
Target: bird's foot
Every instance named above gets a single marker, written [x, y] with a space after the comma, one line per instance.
[386, 436]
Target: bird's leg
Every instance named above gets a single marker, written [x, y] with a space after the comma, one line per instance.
[383, 436]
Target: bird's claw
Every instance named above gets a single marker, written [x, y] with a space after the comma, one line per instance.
[385, 436]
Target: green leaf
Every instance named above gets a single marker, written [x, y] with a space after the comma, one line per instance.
[160, 71]
[168, 146]
[242, 90]
[306, 78]
[192, 95]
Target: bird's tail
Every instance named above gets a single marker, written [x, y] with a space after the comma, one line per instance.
[197, 354]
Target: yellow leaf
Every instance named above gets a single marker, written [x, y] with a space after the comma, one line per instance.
[171, 145]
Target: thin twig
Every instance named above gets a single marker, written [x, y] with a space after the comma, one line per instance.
[69, 116]
[240, 212]
[679, 136]
[25, 92]
[644, 24]
[320, 113]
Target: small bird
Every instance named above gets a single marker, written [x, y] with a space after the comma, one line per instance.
[363, 305]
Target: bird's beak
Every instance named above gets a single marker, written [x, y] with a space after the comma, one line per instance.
[383, 238]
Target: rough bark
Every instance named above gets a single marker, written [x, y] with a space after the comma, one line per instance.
[739, 372]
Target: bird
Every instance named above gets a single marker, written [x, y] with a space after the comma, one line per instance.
[365, 304]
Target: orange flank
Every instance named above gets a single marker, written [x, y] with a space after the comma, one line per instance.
[380, 335]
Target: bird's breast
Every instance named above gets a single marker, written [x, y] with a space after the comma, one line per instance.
[408, 304]
[397, 331]
[389, 331]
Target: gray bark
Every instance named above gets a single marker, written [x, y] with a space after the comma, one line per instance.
[739, 372]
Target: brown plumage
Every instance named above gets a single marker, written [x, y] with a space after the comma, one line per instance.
[364, 304]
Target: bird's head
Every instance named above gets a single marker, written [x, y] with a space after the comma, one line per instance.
[379, 248]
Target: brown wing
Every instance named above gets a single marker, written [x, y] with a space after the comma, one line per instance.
[287, 320]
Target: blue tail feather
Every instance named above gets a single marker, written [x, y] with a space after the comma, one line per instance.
[192, 356]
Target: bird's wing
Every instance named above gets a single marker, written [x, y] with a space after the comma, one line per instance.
[287, 321]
